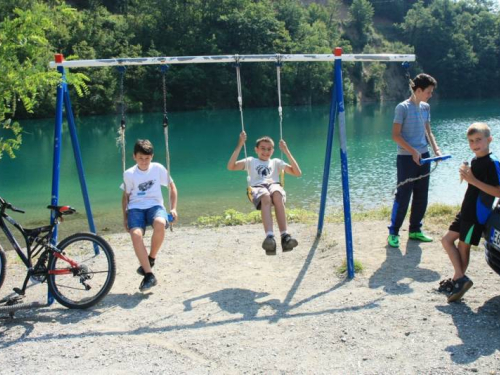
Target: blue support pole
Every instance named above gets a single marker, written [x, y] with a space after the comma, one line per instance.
[328, 158]
[78, 158]
[56, 163]
[343, 160]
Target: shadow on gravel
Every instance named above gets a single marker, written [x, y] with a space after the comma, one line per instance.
[479, 332]
[24, 322]
[398, 267]
[123, 300]
[244, 301]
[235, 301]
[232, 300]
[26, 319]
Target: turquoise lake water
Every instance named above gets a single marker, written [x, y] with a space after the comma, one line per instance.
[202, 141]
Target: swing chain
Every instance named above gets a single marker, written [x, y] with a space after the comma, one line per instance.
[279, 64]
[412, 179]
[240, 104]
[122, 70]
[164, 70]
[121, 131]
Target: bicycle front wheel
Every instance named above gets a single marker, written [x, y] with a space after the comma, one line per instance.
[3, 265]
[84, 273]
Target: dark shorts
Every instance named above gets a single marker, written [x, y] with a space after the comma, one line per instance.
[470, 231]
[141, 218]
[266, 189]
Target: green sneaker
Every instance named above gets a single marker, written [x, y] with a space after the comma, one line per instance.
[420, 236]
[393, 240]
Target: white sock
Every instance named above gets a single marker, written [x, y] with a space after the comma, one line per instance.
[270, 233]
[283, 233]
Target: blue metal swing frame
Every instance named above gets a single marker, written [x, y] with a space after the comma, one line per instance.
[63, 103]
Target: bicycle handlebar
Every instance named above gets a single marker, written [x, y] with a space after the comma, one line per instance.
[6, 205]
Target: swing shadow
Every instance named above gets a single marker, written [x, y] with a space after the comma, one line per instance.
[244, 301]
[282, 309]
[232, 300]
[479, 332]
[398, 267]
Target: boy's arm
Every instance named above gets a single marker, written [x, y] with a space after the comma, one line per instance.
[294, 168]
[431, 139]
[234, 164]
[125, 198]
[398, 138]
[468, 176]
[173, 200]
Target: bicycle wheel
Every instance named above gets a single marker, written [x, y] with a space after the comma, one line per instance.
[85, 283]
[3, 265]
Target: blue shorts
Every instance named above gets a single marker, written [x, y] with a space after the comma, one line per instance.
[141, 218]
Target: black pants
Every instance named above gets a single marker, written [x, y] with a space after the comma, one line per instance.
[407, 168]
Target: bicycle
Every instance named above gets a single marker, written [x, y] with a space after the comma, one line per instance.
[80, 270]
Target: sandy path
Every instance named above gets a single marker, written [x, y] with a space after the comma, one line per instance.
[223, 307]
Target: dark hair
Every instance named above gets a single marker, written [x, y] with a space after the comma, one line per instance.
[264, 139]
[143, 146]
[422, 81]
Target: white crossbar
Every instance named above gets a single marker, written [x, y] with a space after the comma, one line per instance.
[229, 59]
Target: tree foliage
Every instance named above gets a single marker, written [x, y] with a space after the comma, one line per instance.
[458, 42]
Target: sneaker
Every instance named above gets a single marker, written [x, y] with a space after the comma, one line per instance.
[393, 240]
[445, 286]
[269, 245]
[148, 282]
[140, 270]
[420, 236]
[460, 287]
[288, 242]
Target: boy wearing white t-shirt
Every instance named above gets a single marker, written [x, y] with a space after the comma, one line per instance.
[266, 188]
[142, 205]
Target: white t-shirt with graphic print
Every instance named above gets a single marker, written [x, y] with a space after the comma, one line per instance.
[144, 187]
[264, 171]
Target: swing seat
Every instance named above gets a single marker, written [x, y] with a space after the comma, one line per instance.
[492, 237]
[249, 194]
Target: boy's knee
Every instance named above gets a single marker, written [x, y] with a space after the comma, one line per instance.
[277, 198]
[444, 240]
[159, 224]
[136, 233]
[265, 199]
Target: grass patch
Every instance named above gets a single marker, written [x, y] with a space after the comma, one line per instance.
[441, 214]
[437, 214]
[232, 217]
[358, 267]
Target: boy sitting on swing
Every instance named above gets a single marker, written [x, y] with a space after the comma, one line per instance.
[142, 205]
[265, 186]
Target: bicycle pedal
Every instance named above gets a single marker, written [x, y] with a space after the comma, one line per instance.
[19, 291]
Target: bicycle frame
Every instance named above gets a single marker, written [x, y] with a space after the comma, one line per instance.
[26, 258]
[42, 246]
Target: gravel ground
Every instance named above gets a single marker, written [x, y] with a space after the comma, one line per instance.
[223, 307]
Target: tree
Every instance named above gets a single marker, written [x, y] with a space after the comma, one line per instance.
[24, 56]
[361, 15]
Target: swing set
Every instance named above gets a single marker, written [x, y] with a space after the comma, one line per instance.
[336, 111]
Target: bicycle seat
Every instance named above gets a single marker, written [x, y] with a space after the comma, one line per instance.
[62, 210]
